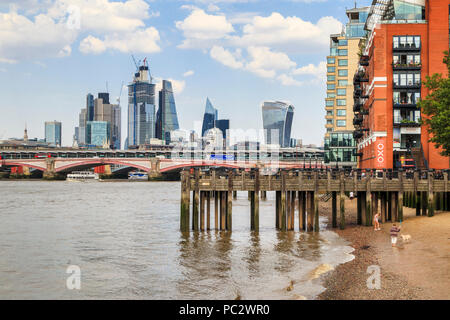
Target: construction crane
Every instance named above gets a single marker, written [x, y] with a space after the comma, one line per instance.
[136, 63]
[120, 94]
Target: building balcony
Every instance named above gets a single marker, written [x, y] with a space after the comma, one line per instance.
[364, 60]
[409, 47]
[357, 121]
[407, 66]
[357, 107]
[405, 122]
[357, 135]
[409, 85]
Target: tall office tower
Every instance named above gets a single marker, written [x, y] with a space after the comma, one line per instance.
[211, 115]
[405, 44]
[53, 133]
[340, 147]
[104, 96]
[166, 117]
[223, 125]
[89, 107]
[111, 114]
[277, 122]
[141, 108]
[98, 133]
[82, 139]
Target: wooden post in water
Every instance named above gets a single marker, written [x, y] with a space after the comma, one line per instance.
[185, 201]
[431, 193]
[424, 201]
[234, 194]
[310, 210]
[195, 202]
[254, 215]
[389, 206]
[277, 209]
[293, 193]
[230, 202]
[288, 210]
[264, 195]
[208, 210]
[202, 210]
[216, 210]
[334, 209]
[394, 206]
[342, 202]
[316, 201]
[301, 210]
[283, 201]
[223, 210]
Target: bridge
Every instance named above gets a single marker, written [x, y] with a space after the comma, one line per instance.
[53, 163]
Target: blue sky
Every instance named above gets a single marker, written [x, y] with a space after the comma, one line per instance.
[237, 52]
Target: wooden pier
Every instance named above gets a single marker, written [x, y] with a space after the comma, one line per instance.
[299, 192]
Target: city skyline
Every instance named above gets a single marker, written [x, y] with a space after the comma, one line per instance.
[252, 71]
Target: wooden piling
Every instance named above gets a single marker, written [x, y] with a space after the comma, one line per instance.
[283, 201]
[316, 202]
[401, 177]
[431, 194]
[342, 203]
[223, 210]
[277, 209]
[208, 211]
[202, 210]
[185, 201]
[383, 207]
[310, 211]
[334, 209]
[292, 222]
[230, 202]
[359, 209]
[216, 210]
[254, 220]
[424, 201]
[368, 213]
[301, 210]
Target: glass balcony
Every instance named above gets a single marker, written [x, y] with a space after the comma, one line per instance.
[406, 121]
[407, 66]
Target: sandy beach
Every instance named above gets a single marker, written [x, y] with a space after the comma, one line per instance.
[419, 269]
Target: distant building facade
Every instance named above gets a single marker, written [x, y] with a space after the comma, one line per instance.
[277, 122]
[210, 115]
[53, 133]
[110, 113]
[98, 133]
[166, 117]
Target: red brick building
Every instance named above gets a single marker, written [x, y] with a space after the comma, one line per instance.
[405, 43]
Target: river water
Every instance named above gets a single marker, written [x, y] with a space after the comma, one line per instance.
[124, 237]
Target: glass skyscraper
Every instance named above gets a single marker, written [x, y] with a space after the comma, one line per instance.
[141, 108]
[53, 133]
[166, 117]
[98, 132]
[277, 122]
[89, 107]
[223, 125]
[211, 115]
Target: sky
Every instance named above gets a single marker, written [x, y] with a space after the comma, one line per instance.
[238, 53]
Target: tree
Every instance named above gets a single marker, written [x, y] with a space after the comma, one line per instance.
[436, 108]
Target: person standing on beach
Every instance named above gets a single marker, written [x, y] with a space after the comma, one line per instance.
[394, 234]
[376, 221]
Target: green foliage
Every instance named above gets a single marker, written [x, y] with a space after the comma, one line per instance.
[436, 106]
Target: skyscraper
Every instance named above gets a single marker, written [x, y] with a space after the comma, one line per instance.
[98, 132]
[211, 115]
[223, 125]
[166, 117]
[277, 121]
[141, 108]
[89, 107]
[53, 133]
[111, 114]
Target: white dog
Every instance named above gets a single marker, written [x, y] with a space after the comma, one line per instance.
[406, 237]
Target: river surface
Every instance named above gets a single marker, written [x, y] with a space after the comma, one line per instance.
[125, 239]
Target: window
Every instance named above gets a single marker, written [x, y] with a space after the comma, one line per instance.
[331, 69]
[341, 123]
[341, 92]
[407, 78]
[329, 121]
[331, 95]
[341, 112]
[331, 60]
[343, 52]
[331, 78]
[343, 42]
[331, 86]
[343, 72]
[341, 102]
[329, 113]
[343, 62]
[342, 83]
[401, 42]
[329, 103]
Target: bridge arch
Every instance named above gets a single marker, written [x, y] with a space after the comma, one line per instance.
[87, 164]
[19, 164]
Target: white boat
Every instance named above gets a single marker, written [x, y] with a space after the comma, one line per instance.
[136, 175]
[82, 176]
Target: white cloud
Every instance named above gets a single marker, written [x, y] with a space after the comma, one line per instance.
[143, 41]
[318, 71]
[266, 63]
[288, 33]
[201, 29]
[287, 80]
[188, 73]
[226, 57]
[104, 24]
[213, 7]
